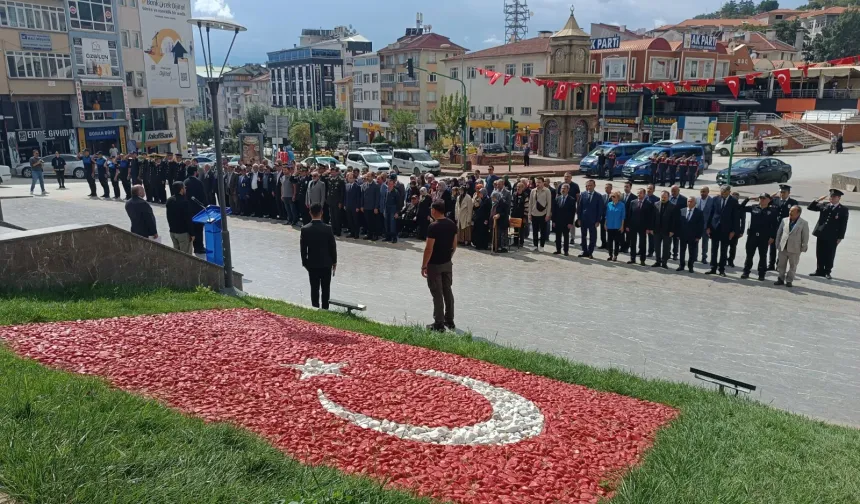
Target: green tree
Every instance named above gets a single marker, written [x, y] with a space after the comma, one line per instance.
[236, 126]
[300, 136]
[838, 40]
[254, 117]
[730, 10]
[200, 132]
[401, 122]
[786, 31]
[447, 114]
[768, 5]
[332, 125]
[746, 8]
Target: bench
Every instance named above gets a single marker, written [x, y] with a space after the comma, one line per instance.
[349, 306]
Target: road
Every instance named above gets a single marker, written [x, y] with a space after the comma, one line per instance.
[799, 346]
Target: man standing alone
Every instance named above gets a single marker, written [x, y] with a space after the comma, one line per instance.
[140, 214]
[179, 219]
[436, 266]
[319, 255]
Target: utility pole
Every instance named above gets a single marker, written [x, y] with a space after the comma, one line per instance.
[735, 128]
[653, 111]
[511, 133]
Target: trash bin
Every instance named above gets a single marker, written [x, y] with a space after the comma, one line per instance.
[211, 220]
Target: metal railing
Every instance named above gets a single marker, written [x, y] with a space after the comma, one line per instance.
[386, 84]
[821, 133]
[103, 115]
[839, 94]
[413, 83]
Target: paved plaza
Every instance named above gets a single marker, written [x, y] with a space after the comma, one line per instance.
[799, 346]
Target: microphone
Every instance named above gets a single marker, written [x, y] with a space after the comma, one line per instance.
[198, 202]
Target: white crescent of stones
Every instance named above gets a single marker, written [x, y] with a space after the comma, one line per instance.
[514, 418]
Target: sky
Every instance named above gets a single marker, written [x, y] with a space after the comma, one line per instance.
[474, 24]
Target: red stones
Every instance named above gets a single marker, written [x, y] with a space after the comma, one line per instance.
[231, 366]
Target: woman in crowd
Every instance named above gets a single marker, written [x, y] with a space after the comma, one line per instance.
[520, 210]
[464, 216]
[501, 220]
[614, 224]
[423, 213]
[481, 221]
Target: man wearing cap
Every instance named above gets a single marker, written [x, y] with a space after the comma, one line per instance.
[783, 204]
[830, 230]
[172, 172]
[723, 225]
[335, 198]
[761, 233]
[792, 239]
[160, 180]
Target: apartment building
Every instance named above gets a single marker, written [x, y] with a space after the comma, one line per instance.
[241, 88]
[419, 95]
[366, 117]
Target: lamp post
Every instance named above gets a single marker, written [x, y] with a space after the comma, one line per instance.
[214, 82]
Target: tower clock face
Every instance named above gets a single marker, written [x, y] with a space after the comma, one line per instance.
[580, 54]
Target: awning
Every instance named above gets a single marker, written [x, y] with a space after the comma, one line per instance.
[739, 103]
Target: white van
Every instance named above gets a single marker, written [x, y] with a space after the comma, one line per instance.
[414, 162]
[366, 159]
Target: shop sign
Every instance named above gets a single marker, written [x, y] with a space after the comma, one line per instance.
[606, 43]
[695, 123]
[700, 42]
[157, 136]
[169, 61]
[96, 57]
[624, 121]
[101, 133]
[660, 121]
[627, 89]
[25, 135]
[35, 42]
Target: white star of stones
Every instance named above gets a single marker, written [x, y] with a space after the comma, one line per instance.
[315, 367]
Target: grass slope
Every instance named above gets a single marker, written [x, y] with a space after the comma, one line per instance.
[66, 438]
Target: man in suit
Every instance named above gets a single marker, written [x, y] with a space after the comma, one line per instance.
[370, 207]
[723, 225]
[665, 224]
[319, 255]
[680, 203]
[563, 215]
[792, 239]
[783, 204]
[353, 205]
[706, 204]
[335, 199]
[691, 227]
[830, 230]
[639, 221]
[194, 190]
[232, 180]
[589, 212]
[140, 214]
[653, 199]
[626, 198]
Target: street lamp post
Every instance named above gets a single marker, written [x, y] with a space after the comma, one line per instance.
[214, 82]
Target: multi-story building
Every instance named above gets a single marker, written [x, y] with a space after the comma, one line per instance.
[366, 118]
[419, 96]
[766, 46]
[815, 21]
[770, 18]
[303, 77]
[203, 108]
[343, 99]
[38, 80]
[241, 88]
[603, 30]
[492, 107]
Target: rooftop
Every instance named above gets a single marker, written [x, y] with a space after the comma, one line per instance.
[760, 43]
[423, 41]
[535, 45]
[691, 23]
[829, 11]
[625, 31]
[652, 44]
[775, 12]
[571, 28]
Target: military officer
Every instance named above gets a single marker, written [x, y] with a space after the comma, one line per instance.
[335, 198]
[148, 175]
[783, 204]
[161, 178]
[830, 230]
[761, 234]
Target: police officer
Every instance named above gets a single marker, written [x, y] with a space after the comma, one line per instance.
[761, 234]
[830, 230]
[161, 178]
[172, 172]
[783, 204]
[692, 170]
[335, 199]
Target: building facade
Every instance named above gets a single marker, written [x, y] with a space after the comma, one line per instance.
[240, 89]
[366, 117]
[492, 107]
[343, 99]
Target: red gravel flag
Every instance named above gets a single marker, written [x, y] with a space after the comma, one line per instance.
[441, 425]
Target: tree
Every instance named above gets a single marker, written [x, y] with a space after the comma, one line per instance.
[447, 114]
[730, 10]
[200, 132]
[254, 117]
[746, 8]
[332, 124]
[300, 136]
[236, 126]
[401, 122]
[786, 31]
[838, 40]
[768, 5]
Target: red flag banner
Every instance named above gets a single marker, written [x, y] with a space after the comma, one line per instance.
[540, 82]
[750, 78]
[636, 86]
[611, 93]
[480, 71]
[551, 83]
[494, 77]
[734, 84]
[805, 68]
[687, 85]
[669, 87]
[507, 78]
[594, 93]
[704, 82]
[561, 91]
[651, 87]
[783, 77]
[849, 60]
[525, 79]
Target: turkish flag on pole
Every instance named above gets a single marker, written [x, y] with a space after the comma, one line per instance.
[507, 78]
[783, 77]
[751, 77]
[494, 77]
[594, 93]
[525, 79]
[734, 84]
[611, 93]
[670, 88]
[561, 91]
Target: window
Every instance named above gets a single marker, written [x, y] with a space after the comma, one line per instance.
[376, 95]
[431, 77]
[356, 76]
[136, 40]
[525, 111]
[431, 57]
[472, 109]
[28, 111]
[367, 95]
[594, 66]
[34, 17]
[388, 78]
[722, 69]
[95, 15]
[661, 69]
[77, 42]
[455, 73]
[633, 68]
[140, 80]
[615, 68]
[511, 69]
[470, 72]
[38, 65]
[123, 35]
[374, 78]
[356, 95]
[698, 68]
[488, 110]
[129, 79]
[431, 96]
[528, 69]
[509, 111]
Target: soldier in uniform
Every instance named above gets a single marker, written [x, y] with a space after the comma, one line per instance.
[830, 230]
[335, 198]
[146, 176]
[163, 171]
[761, 233]
[172, 172]
[783, 204]
[692, 170]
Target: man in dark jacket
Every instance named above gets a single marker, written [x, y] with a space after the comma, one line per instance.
[179, 219]
[353, 205]
[722, 226]
[761, 234]
[335, 199]
[691, 227]
[194, 191]
[639, 221]
[829, 231]
[319, 255]
[665, 224]
[370, 209]
[140, 214]
[563, 216]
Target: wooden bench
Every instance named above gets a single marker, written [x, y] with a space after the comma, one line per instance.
[349, 306]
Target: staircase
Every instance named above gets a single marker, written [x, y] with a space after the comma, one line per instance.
[802, 133]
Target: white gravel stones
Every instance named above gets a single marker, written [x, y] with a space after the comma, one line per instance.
[315, 367]
[514, 417]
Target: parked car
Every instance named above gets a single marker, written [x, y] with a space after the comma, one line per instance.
[361, 159]
[202, 160]
[623, 152]
[326, 160]
[757, 170]
[667, 143]
[747, 143]
[384, 150]
[74, 167]
[234, 162]
[493, 148]
[414, 162]
[639, 166]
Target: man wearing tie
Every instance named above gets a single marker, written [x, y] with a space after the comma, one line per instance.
[665, 224]
[319, 255]
[706, 205]
[626, 198]
[563, 215]
[690, 231]
[680, 202]
[590, 212]
[639, 220]
[352, 205]
[723, 225]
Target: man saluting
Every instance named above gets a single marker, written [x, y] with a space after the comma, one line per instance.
[830, 231]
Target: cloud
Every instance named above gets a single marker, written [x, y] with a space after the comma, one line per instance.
[659, 22]
[492, 40]
[217, 8]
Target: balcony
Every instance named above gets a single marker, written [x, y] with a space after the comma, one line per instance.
[387, 102]
[103, 115]
[411, 103]
[412, 84]
[386, 84]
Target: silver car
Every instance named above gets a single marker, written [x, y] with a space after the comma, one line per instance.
[74, 167]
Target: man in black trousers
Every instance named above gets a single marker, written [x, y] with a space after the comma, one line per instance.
[563, 216]
[722, 226]
[664, 227]
[639, 221]
[194, 191]
[319, 255]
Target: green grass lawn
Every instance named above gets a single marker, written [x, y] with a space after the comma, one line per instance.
[72, 439]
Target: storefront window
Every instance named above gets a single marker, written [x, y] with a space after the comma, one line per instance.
[95, 15]
[29, 115]
[90, 66]
[156, 119]
[38, 65]
[33, 17]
